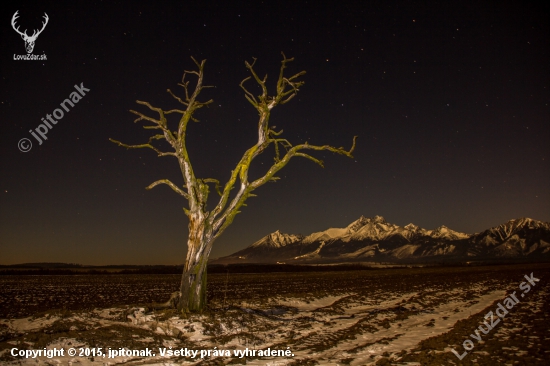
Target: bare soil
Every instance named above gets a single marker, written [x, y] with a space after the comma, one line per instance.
[412, 316]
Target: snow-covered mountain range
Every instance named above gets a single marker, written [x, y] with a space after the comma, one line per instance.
[375, 240]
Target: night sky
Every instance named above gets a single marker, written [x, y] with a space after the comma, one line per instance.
[450, 101]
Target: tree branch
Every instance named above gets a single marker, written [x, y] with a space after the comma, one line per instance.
[248, 95]
[295, 151]
[212, 180]
[286, 89]
[144, 117]
[261, 82]
[315, 160]
[282, 82]
[178, 98]
[141, 146]
[170, 184]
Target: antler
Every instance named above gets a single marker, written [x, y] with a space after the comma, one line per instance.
[43, 26]
[15, 16]
[35, 34]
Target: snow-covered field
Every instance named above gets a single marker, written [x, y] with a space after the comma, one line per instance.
[401, 317]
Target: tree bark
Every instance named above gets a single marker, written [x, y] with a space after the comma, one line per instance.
[193, 280]
[193, 288]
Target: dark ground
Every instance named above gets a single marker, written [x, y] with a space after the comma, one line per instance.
[522, 338]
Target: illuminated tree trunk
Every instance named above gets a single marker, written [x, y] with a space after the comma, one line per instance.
[193, 281]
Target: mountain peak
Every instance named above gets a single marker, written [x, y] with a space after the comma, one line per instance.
[362, 222]
[276, 240]
[443, 232]
[379, 219]
[515, 225]
[523, 221]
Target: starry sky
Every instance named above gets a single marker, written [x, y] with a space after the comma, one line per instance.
[450, 101]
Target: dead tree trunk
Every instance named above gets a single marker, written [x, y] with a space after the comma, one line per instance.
[205, 226]
[193, 280]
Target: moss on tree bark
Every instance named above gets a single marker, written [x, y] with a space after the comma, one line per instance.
[207, 225]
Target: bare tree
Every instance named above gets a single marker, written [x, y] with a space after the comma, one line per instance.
[205, 226]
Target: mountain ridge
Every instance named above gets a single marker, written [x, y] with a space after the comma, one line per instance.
[375, 239]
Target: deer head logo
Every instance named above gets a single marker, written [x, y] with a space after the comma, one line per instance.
[29, 41]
